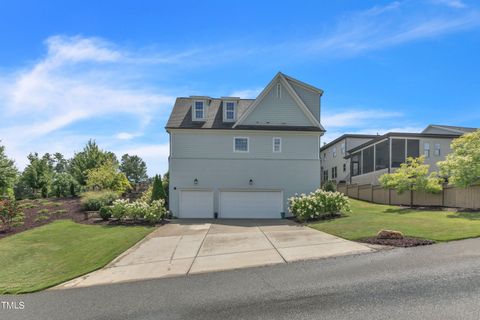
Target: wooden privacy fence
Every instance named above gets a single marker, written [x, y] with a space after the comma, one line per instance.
[468, 198]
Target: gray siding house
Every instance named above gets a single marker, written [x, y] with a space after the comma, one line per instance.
[366, 161]
[334, 164]
[243, 158]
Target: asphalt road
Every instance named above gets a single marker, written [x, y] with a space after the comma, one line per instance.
[435, 282]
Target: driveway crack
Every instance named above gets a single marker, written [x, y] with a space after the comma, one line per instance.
[268, 239]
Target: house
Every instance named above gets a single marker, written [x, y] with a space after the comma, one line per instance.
[383, 154]
[334, 165]
[243, 158]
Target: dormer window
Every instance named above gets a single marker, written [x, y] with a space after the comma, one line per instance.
[198, 110]
[229, 111]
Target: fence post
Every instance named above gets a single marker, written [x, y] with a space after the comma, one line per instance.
[371, 199]
[389, 197]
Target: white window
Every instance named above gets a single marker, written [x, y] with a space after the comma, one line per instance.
[426, 150]
[240, 144]
[334, 152]
[229, 111]
[277, 144]
[436, 151]
[198, 110]
[279, 90]
[343, 148]
[324, 156]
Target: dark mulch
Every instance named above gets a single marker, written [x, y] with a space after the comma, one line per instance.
[323, 218]
[58, 208]
[53, 209]
[405, 242]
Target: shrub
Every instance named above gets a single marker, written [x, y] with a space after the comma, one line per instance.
[44, 211]
[64, 184]
[123, 209]
[94, 200]
[8, 212]
[330, 186]
[105, 213]
[158, 192]
[147, 195]
[106, 177]
[318, 205]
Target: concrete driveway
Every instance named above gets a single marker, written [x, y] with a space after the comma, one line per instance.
[192, 246]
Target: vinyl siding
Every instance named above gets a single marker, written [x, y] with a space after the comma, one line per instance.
[289, 176]
[277, 111]
[219, 145]
[311, 99]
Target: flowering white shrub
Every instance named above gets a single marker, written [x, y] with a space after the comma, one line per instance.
[318, 204]
[123, 209]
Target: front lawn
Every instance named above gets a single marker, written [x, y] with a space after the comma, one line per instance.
[62, 250]
[368, 218]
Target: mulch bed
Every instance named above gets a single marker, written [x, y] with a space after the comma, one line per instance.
[58, 208]
[405, 242]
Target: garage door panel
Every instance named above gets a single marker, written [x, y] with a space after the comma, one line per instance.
[196, 204]
[251, 204]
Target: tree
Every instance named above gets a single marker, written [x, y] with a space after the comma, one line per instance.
[462, 165]
[64, 184]
[134, 168]
[38, 175]
[412, 176]
[60, 163]
[166, 182]
[106, 176]
[91, 157]
[157, 190]
[8, 174]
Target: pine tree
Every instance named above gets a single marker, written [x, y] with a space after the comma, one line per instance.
[157, 192]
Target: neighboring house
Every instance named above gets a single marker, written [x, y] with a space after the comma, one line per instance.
[334, 165]
[243, 158]
[383, 154]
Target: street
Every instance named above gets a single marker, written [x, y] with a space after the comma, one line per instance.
[441, 281]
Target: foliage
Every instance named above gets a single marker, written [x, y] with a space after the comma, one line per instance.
[462, 165]
[105, 213]
[318, 204]
[8, 213]
[64, 184]
[123, 209]
[38, 175]
[94, 200]
[134, 168]
[157, 191]
[147, 194]
[412, 176]
[8, 174]
[90, 158]
[106, 177]
[330, 186]
[166, 183]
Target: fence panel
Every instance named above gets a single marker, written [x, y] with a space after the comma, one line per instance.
[427, 199]
[380, 195]
[399, 199]
[365, 192]
[352, 191]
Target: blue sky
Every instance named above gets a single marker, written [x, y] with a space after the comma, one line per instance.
[75, 70]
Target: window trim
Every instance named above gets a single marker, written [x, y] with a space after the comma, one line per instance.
[241, 151]
[194, 110]
[426, 149]
[334, 152]
[279, 91]
[273, 145]
[435, 149]
[225, 119]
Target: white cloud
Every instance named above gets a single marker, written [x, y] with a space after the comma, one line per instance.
[390, 25]
[458, 4]
[247, 93]
[356, 118]
[78, 79]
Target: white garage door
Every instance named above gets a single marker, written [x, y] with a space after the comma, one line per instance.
[196, 204]
[251, 204]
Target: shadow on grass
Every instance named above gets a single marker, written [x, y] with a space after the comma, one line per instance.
[465, 215]
[400, 210]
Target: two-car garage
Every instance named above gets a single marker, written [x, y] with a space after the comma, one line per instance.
[232, 204]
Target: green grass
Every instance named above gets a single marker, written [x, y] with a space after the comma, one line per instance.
[62, 250]
[44, 211]
[59, 211]
[368, 218]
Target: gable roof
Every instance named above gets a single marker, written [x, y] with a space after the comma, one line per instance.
[181, 115]
[282, 78]
[453, 129]
[348, 135]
